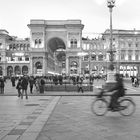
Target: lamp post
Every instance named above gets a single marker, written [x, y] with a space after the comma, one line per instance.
[111, 4]
[110, 76]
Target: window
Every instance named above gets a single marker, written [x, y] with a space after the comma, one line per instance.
[19, 58]
[63, 65]
[122, 56]
[137, 57]
[129, 57]
[137, 45]
[39, 41]
[100, 57]
[93, 57]
[129, 44]
[26, 58]
[73, 43]
[86, 58]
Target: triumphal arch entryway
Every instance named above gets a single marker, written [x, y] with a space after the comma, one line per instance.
[54, 46]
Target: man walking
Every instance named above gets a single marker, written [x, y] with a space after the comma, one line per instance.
[31, 83]
[24, 85]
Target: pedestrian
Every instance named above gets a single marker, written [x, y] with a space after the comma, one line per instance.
[19, 87]
[31, 84]
[80, 85]
[13, 81]
[24, 85]
[42, 85]
[37, 83]
[2, 85]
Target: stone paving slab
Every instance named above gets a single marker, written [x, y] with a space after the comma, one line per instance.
[16, 117]
[72, 119]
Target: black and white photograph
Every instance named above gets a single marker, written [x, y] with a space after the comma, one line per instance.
[69, 70]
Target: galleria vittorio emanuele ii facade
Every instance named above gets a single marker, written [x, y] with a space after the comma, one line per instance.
[57, 47]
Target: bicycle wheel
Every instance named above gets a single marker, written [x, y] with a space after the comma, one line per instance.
[128, 107]
[99, 107]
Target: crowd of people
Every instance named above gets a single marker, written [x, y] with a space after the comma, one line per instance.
[135, 81]
[38, 83]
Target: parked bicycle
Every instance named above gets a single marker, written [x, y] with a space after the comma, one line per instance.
[100, 106]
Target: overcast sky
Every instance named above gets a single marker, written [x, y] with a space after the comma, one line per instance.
[16, 14]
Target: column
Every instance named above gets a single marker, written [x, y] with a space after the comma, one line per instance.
[31, 66]
[67, 65]
[133, 71]
[130, 70]
[44, 65]
[138, 68]
[80, 65]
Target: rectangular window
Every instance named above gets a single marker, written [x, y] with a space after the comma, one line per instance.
[129, 44]
[129, 57]
[26, 58]
[137, 57]
[122, 57]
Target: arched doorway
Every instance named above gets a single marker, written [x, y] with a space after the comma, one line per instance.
[38, 68]
[24, 70]
[17, 70]
[56, 48]
[9, 71]
[73, 68]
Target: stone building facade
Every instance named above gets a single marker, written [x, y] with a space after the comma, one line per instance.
[57, 47]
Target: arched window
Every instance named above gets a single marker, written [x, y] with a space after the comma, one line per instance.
[73, 43]
[17, 70]
[9, 71]
[24, 70]
[73, 68]
[93, 56]
[86, 58]
[74, 64]
[100, 57]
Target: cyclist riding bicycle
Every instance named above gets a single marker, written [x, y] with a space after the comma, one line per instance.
[119, 92]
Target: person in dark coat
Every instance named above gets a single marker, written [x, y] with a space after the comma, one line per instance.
[119, 92]
[2, 85]
[42, 85]
[31, 83]
[19, 87]
[80, 85]
[24, 85]
[13, 81]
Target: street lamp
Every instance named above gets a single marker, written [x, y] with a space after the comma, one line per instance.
[110, 75]
[111, 4]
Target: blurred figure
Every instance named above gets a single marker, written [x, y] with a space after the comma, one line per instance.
[19, 87]
[37, 83]
[2, 85]
[42, 85]
[13, 81]
[119, 92]
[24, 85]
[31, 84]
[80, 85]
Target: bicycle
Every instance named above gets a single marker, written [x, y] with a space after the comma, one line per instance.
[100, 106]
